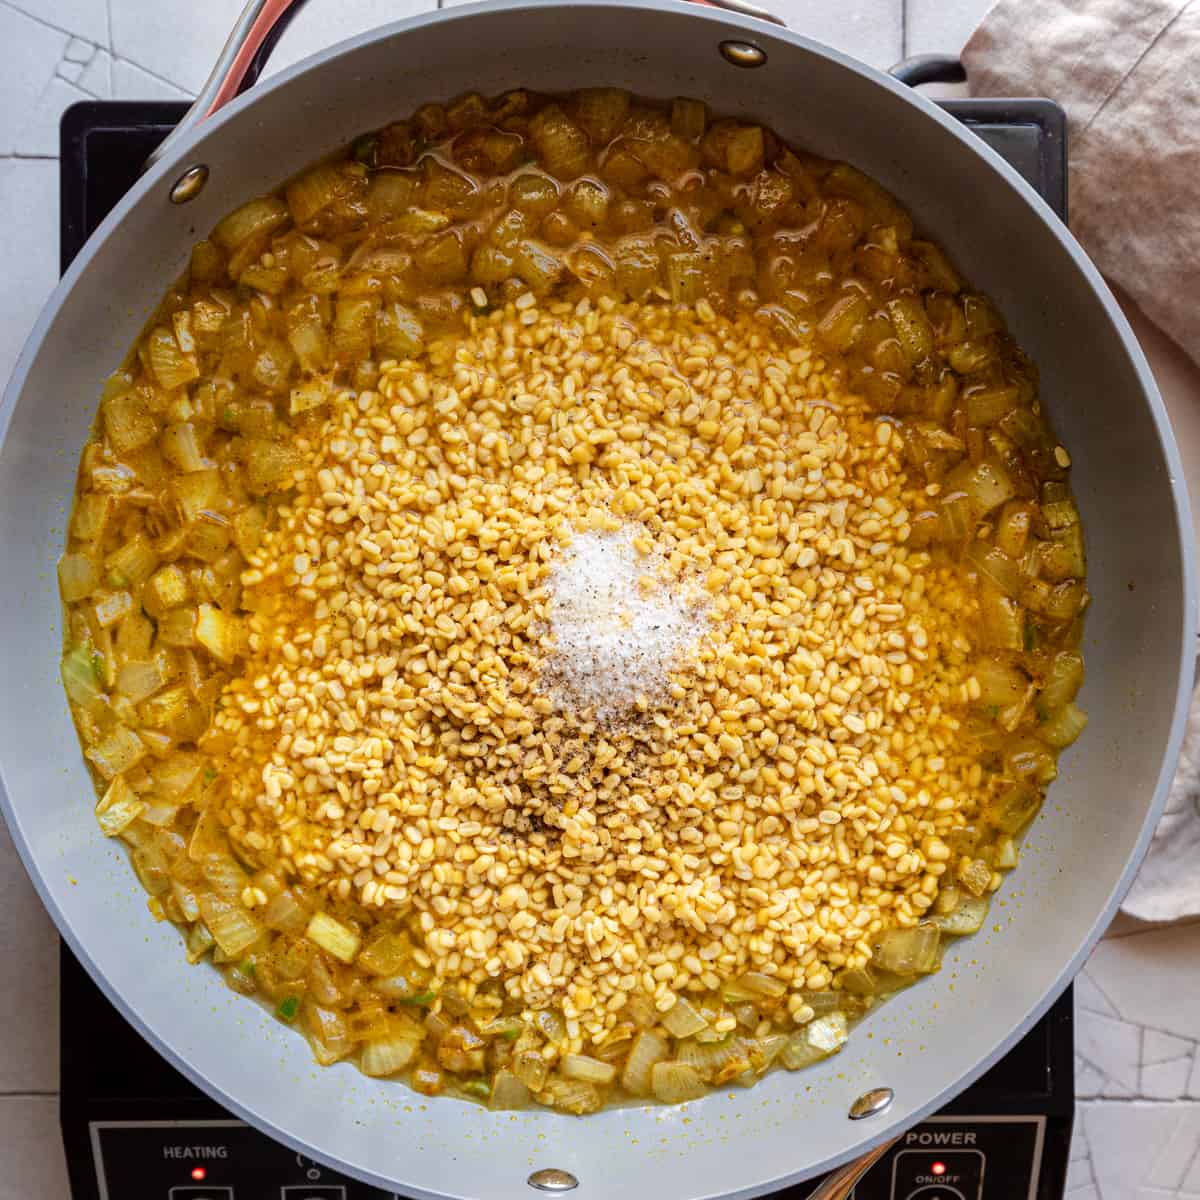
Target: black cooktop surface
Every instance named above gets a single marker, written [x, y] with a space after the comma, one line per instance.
[135, 1128]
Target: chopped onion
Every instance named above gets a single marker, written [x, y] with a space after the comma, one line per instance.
[908, 951]
[77, 577]
[117, 808]
[968, 917]
[993, 564]
[647, 1050]
[508, 1092]
[683, 1019]
[1063, 726]
[591, 1070]
[676, 1082]
[330, 934]
[233, 928]
[387, 1056]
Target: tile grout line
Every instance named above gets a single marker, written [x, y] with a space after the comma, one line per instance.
[903, 29]
[28, 1095]
[43, 22]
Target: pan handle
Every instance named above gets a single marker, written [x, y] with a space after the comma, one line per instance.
[839, 1184]
[255, 35]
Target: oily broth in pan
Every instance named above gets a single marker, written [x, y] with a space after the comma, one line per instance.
[572, 600]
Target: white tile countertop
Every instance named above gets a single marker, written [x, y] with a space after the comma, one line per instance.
[1138, 1001]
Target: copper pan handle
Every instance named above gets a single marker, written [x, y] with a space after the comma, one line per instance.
[252, 38]
[839, 1184]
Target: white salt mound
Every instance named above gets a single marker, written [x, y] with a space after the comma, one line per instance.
[617, 626]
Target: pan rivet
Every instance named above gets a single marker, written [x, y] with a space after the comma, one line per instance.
[189, 185]
[742, 54]
[551, 1179]
[872, 1103]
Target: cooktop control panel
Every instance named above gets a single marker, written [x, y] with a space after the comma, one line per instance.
[961, 1158]
[946, 1158]
[209, 1160]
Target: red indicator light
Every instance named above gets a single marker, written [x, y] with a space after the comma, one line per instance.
[938, 1168]
[199, 1173]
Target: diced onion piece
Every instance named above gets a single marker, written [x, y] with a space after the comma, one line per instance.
[987, 484]
[132, 563]
[285, 913]
[531, 1069]
[571, 1095]
[232, 927]
[315, 190]
[647, 1050]
[245, 232]
[716, 1062]
[683, 1019]
[387, 1056]
[118, 807]
[128, 423]
[1012, 532]
[140, 680]
[116, 753]
[993, 564]
[744, 150]
[353, 327]
[590, 1070]
[913, 330]
[1063, 681]
[800, 1052]
[676, 1082]
[167, 588]
[198, 941]
[79, 677]
[1003, 620]
[398, 332]
[827, 1033]
[561, 144]
[111, 608]
[987, 405]
[975, 876]
[759, 984]
[508, 1092]
[270, 466]
[386, 953]
[908, 951]
[1000, 684]
[967, 917]
[1005, 858]
[170, 366]
[956, 518]
[328, 1033]
[764, 1051]
[1063, 726]
[181, 446]
[309, 395]
[196, 491]
[225, 875]
[844, 321]
[90, 519]
[601, 111]
[685, 276]
[331, 935]
[178, 628]
[77, 577]
[219, 633]
[536, 265]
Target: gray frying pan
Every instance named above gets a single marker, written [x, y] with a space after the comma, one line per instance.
[1084, 848]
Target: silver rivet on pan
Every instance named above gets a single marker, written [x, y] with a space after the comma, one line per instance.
[189, 185]
[872, 1103]
[551, 1179]
[743, 54]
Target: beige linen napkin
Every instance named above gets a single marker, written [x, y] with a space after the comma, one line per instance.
[1127, 72]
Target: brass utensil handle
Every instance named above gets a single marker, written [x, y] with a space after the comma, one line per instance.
[252, 38]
